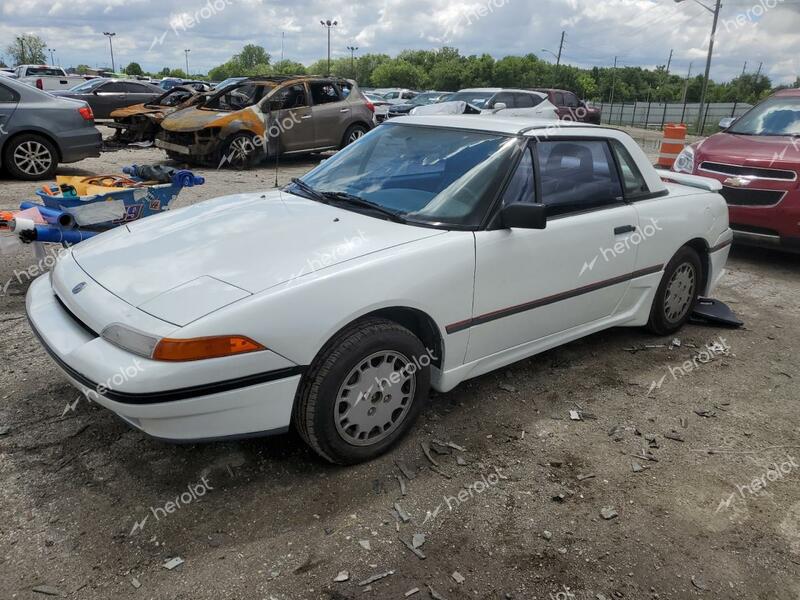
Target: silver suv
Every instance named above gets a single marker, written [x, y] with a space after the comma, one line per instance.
[38, 131]
[261, 116]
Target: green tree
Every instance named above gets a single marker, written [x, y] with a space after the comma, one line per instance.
[253, 56]
[83, 69]
[27, 49]
[288, 67]
[398, 73]
[134, 69]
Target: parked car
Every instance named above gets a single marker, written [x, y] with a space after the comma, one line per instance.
[47, 78]
[399, 96]
[227, 82]
[141, 122]
[167, 83]
[8, 72]
[489, 101]
[570, 107]
[107, 95]
[757, 159]
[37, 131]
[423, 99]
[420, 256]
[260, 116]
[381, 105]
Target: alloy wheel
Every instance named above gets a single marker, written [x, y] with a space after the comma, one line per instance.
[33, 158]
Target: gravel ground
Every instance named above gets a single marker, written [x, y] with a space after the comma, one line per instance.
[709, 509]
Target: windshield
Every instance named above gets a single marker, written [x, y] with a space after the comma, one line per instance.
[776, 116]
[475, 98]
[45, 71]
[229, 81]
[87, 86]
[239, 97]
[423, 99]
[426, 174]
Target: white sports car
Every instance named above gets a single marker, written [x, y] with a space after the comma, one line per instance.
[433, 250]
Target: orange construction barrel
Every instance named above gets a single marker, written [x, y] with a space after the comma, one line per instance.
[671, 144]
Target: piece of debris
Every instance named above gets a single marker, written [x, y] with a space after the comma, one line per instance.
[636, 467]
[699, 582]
[434, 594]
[589, 476]
[49, 590]
[4, 429]
[450, 445]
[684, 422]
[402, 485]
[675, 436]
[342, 576]
[460, 461]
[707, 414]
[507, 388]
[608, 513]
[559, 497]
[440, 449]
[574, 415]
[440, 472]
[411, 592]
[172, 563]
[547, 535]
[645, 456]
[426, 449]
[458, 577]
[420, 554]
[418, 539]
[136, 583]
[405, 470]
[375, 578]
[404, 516]
[365, 544]
[676, 343]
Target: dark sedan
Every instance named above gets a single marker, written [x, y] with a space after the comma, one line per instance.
[107, 95]
[420, 100]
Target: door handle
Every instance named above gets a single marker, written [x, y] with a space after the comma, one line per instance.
[624, 229]
[306, 116]
[344, 110]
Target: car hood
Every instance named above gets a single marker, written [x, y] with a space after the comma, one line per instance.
[249, 241]
[194, 119]
[136, 109]
[777, 152]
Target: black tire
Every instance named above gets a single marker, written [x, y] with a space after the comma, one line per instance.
[677, 293]
[319, 396]
[353, 133]
[240, 152]
[30, 157]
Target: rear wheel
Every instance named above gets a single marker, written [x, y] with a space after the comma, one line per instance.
[354, 133]
[30, 157]
[677, 293]
[363, 392]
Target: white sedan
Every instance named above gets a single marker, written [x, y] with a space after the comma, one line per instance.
[433, 250]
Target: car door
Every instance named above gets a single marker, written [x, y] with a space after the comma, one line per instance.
[531, 284]
[9, 100]
[558, 100]
[293, 122]
[329, 113]
[137, 93]
[571, 106]
[106, 98]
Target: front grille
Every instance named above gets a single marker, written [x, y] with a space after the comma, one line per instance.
[83, 325]
[745, 197]
[762, 173]
[182, 138]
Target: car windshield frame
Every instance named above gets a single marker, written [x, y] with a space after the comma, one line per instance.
[209, 104]
[473, 186]
[88, 85]
[748, 123]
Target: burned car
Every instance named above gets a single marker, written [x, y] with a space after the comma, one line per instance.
[141, 122]
[266, 116]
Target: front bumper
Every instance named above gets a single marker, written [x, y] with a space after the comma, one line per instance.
[170, 401]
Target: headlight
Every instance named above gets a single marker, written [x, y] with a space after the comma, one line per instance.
[130, 339]
[685, 161]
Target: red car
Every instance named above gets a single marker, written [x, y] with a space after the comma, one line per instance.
[570, 107]
[757, 159]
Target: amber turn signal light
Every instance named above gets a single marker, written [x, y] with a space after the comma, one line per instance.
[204, 347]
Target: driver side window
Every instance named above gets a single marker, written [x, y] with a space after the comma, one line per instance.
[520, 188]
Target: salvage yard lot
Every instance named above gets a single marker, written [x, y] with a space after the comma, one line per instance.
[680, 481]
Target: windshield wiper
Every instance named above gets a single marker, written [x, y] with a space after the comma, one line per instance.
[315, 194]
[358, 201]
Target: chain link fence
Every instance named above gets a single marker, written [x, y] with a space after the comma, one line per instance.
[654, 115]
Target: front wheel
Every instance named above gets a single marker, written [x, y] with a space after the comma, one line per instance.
[353, 134]
[677, 293]
[363, 392]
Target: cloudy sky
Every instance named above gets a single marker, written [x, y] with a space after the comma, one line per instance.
[639, 32]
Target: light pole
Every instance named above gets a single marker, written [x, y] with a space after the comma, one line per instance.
[52, 60]
[353, 50]
[110, 35]
[554, 55]
[715, 12]
[186, 54]
[329, 25]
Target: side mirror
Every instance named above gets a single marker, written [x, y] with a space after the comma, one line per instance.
[499, 105]
[727, 122]
[524, 215]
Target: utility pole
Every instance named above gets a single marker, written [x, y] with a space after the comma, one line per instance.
[686, 85]
[613, 80]
[329, 25]
[669, 60]
[353, 59]
[560, 48]
[52, 61]
[283, 37]
[761, 64]
[744, 68]
[186, 54]
[111, 34]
